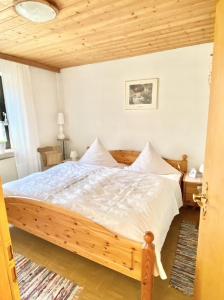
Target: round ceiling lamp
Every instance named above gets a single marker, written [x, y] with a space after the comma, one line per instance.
[37, 11]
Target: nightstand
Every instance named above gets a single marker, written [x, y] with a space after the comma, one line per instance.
[190, 186]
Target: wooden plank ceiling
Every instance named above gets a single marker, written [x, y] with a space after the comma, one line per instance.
[89, 31]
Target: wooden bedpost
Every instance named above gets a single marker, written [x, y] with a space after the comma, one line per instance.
[148, 261]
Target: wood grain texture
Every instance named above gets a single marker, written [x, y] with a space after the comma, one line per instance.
[28, 62]
[91, 31]
[80, 235]
[76, 233]
[110, 285]
[129, 156]
[210, 258]
[9, 289]
[148, 261]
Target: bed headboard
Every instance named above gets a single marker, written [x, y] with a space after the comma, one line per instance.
[128, 157]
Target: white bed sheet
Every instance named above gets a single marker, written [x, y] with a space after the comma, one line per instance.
[125, 202]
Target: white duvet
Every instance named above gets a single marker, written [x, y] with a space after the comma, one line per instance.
[125, 202]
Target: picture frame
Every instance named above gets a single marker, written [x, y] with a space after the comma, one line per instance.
[141, 94]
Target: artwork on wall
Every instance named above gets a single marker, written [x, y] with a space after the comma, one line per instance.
[141, 94]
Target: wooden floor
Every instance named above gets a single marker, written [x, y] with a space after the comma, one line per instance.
[99, 282]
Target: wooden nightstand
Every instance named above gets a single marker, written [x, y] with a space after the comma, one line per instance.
[190, 186]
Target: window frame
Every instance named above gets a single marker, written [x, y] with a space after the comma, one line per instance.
[9, 143]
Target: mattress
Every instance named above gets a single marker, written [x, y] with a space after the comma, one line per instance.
[125, 202]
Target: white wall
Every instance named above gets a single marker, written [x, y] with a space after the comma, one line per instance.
[8, 170]
[94, 103]
[47, 105]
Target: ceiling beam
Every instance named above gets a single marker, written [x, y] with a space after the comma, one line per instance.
[28, 62]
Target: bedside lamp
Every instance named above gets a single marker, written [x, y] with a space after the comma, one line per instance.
[60, 122]
[74, 155]
[201, 169]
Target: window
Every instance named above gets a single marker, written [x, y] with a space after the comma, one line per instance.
[3, 113]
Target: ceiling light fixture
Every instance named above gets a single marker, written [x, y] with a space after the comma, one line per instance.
[37, 11]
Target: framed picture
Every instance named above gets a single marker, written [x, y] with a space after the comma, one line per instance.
[141, 94]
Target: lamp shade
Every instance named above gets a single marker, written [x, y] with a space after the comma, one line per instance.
[3, 137]
[201, 168]
[74, 155]
[60, 119]
[37, 11]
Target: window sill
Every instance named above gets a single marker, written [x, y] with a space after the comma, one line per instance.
[7, 154]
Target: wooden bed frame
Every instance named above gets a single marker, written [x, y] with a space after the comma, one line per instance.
[84, 237]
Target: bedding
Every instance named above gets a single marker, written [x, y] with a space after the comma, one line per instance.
[118, 199]
[98, 155]
[149, 161]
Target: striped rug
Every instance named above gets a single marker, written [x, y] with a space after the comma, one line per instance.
[39, 283]
[183, 271]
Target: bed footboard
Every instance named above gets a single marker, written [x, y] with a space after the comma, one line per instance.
[148, 262]
[80, 235]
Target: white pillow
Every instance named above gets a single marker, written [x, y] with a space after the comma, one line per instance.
[149, 161]
[98, 155]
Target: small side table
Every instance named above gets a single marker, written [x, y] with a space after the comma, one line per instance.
[190, 186]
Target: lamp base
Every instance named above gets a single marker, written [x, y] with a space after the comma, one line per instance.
[61, 135]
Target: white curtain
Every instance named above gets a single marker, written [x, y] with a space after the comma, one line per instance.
[20, 108]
